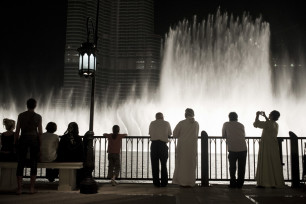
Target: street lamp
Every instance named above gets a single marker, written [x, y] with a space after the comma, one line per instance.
[87, 68]
[88, 59]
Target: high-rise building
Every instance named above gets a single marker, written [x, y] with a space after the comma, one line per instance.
[129, 51]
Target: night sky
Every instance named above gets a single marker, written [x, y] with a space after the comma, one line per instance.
[33, 35]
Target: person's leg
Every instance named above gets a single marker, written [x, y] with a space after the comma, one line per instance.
[19, 185]
[80, 174]
[163, 161]
[232, 158]
[116, 168]
[22, 153]
[117, 165]
[49, 175]
[34, 154]
[241, 168]
[111, 166]
[155, 163]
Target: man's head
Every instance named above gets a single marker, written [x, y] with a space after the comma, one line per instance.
[274, 115]
[189, 113]
[116, 129]
[233, 116]
[159, 115]
[31, 104]
[51, 127]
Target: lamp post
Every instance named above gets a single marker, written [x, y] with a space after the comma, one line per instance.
[87, 68]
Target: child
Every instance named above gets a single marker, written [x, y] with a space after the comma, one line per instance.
[113, 150]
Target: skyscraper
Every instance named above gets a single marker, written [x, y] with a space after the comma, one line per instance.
[129, 52]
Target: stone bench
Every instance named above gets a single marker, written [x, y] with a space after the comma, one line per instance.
[67, 174]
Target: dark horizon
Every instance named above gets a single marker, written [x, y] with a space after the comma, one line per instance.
[34, 36]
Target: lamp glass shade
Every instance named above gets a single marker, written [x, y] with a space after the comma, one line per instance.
[80, 62]
[92, 65]
[85, 62]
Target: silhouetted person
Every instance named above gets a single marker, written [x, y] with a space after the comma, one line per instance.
[187, 132]
[269, 169]
[159, 131]
[29, 123]
[48, 149]
[71, 149]
[234, 133]
[113, 150]
[7, 152]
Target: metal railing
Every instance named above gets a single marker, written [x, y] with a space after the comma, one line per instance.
[212, 159]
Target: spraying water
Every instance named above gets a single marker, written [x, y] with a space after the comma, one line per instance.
[215, 66]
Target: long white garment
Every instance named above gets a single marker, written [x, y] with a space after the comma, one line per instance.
[187, 132]
[269, 170]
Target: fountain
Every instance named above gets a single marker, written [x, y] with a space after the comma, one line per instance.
[216, 66]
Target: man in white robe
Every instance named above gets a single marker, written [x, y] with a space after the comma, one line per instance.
[187, 132]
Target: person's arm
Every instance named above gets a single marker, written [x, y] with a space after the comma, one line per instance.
[176, 131]
[198, 129]
[107, 135]
[60, 149]
[224, 131]
[256, 119]
[122, 135]
[39, 128]
[258, 123]
[150, 129]
[16, 136]
[264, 115]
[169, 130]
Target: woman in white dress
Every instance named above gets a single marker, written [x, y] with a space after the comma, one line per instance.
[269, 169]
[187, 132]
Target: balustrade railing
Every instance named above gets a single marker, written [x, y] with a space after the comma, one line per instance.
[136, 164]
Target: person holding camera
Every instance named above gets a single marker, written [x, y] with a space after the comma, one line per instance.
[269, 171]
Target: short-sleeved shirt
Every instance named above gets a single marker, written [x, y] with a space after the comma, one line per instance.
[160, 129]
[234, 133]
[114, 145]
[48, 147]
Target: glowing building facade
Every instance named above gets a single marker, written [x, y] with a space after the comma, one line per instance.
[129, 52]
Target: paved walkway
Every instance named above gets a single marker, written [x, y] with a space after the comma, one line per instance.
[148, 194]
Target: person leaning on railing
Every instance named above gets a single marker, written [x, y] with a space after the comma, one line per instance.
[234, 133]
[159, 131]
[186, 132]
[113, 150]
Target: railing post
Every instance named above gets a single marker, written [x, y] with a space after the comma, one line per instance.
[204, 159]
[280, 147]
[295, 167]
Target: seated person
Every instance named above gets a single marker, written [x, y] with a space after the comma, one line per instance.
[48, 149]
[71, 149]
[7, 152]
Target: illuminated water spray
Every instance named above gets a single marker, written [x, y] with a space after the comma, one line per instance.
[216, 66]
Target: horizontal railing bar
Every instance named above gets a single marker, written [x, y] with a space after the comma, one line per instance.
[136, 164]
